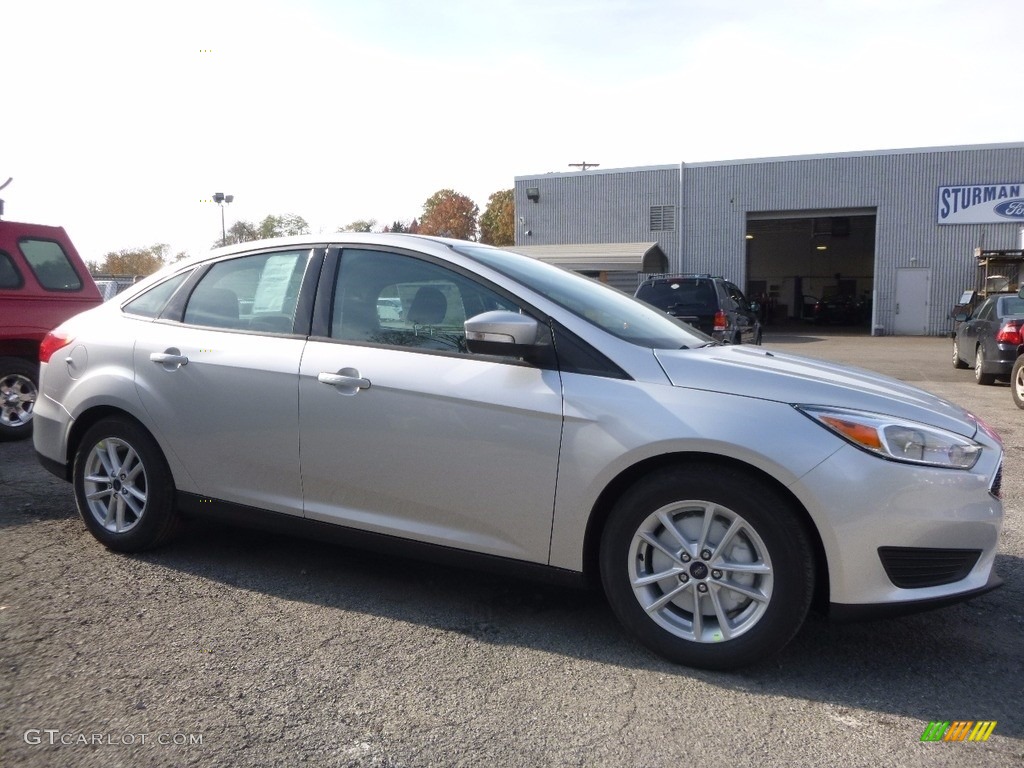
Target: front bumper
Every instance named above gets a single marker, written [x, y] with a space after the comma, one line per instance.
[866, 507]
[843, 612]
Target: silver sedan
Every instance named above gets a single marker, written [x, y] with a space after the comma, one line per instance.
[460, 402]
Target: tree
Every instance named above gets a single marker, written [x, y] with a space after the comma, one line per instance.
[272, 226]
[359, 225]
[449, 214]
[240, 232]
[283, 226]
[132, 261]
[498, 221]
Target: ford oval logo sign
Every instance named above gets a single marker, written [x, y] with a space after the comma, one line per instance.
[1011, 209]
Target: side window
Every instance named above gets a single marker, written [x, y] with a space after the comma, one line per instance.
[736, 295]
[50, 265]
[9, 277]
[153, 301]
[387, 298]
[985, 312]
[256, 293]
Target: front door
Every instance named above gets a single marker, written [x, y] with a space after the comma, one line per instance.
[404, 432]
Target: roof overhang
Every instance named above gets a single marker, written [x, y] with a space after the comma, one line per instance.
[599, 257]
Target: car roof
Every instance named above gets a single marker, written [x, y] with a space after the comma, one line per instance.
[368, 238]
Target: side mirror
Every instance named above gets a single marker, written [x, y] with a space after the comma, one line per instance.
[960, 317]
[503, 333]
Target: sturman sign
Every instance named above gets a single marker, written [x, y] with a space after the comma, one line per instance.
[981, 204]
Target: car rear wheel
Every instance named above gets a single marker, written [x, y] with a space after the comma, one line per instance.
[707, 566]
[19, 386]
[1017, 382]
[123, 487]
[957, 361]
[979, 373]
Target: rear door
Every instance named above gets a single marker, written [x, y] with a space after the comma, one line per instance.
[404, 432]
[220, 380]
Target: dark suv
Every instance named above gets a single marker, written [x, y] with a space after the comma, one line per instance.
[43, 282]
[710, 304]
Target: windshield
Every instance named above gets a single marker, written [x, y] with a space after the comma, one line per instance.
[607, 308]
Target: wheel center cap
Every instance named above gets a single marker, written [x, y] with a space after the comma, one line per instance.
[699, 571]
[117, 487]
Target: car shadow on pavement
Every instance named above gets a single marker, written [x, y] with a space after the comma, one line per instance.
[961, 662]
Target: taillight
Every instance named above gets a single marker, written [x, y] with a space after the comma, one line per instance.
[51, 343]
[1010, 333]
[719, 320]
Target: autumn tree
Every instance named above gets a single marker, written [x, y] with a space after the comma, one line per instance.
[498, 221]
[132, 261]
[449, 214]
[359, 225]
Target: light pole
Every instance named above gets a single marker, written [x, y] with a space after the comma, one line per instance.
[220, 199]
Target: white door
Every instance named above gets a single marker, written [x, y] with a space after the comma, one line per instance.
[912, 301]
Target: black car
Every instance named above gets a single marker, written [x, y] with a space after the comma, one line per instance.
[842, 309]
[989, 337]
[710, 304]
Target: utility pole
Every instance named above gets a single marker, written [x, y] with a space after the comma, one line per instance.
[584, 165]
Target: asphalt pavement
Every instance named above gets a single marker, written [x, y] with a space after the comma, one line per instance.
[237, 648]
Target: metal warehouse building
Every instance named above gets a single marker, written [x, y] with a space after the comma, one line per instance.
[898, 228]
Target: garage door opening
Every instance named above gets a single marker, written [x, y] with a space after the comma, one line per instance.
[813, 268]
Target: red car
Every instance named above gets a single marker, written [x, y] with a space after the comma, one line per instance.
[43, 282]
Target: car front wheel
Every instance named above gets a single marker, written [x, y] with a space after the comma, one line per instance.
[19, 385]
[707, 566]
[979, 373]
[1017, 382]
[123, 487]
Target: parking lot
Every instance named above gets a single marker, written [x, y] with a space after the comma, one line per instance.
[234, 647]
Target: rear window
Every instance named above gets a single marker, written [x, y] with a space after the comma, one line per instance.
[684, 296]
[1011, 305]
[9, 276]
[50, 265]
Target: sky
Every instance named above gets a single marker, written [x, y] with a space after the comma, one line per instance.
[123, 118]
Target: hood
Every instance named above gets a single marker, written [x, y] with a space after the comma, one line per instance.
[761, 373]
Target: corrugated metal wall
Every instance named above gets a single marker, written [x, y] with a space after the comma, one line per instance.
[597, 207]
[716, 199]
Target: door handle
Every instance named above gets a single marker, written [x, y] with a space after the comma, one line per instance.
[171, 359]
[347, 380]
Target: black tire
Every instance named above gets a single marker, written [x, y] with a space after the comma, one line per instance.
[957, 361]
[1017, 382]
[979, 376]
[139, 502]
[19, 387]
[686, 496]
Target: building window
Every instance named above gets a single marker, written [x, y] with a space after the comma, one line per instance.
[663, 218]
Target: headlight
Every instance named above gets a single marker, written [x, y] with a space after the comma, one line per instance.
[898, 439]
